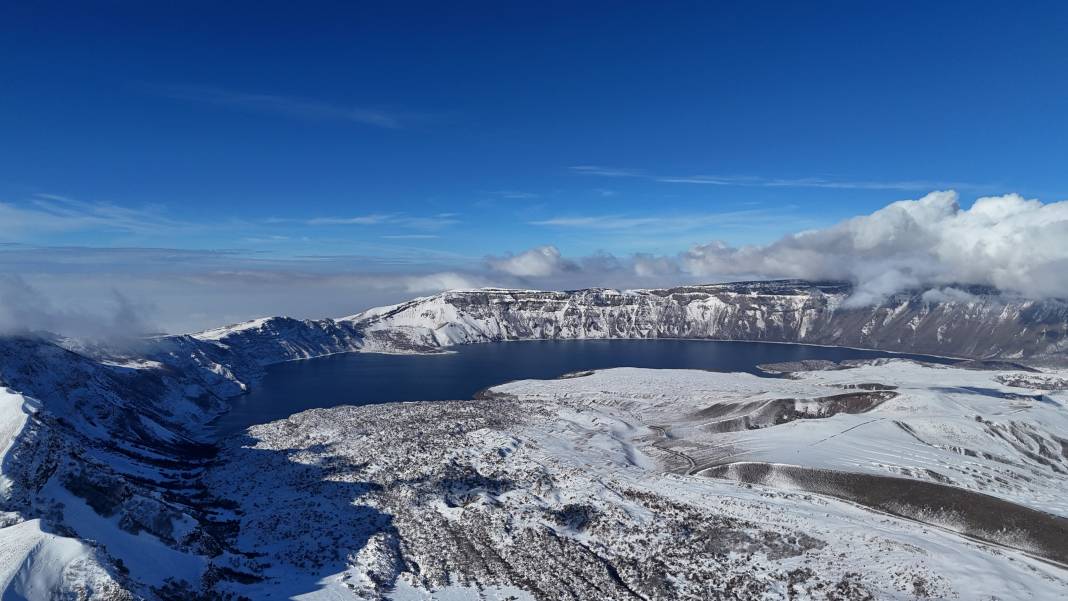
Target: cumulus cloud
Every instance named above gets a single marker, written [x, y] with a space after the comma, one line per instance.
[545, 267]
[649, 266]
[537, 262]
[931, 243]
[1007, 241]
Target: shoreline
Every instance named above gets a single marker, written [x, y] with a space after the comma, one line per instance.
[220, 437]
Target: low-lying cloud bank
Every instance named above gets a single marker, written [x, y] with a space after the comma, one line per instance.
[931, 244]
[24, 307]
[1008, 242]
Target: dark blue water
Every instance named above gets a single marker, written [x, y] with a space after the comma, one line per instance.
[359, 379]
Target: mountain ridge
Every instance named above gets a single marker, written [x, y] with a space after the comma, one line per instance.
[972, 322]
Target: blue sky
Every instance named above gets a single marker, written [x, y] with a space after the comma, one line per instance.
[359, 137]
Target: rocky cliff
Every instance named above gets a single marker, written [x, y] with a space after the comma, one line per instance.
[976, 323]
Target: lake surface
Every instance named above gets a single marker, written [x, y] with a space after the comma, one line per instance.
[361, 379]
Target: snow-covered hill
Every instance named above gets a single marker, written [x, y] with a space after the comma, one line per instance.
[111, 488]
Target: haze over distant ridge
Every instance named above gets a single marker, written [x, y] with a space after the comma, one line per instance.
[1017, 245]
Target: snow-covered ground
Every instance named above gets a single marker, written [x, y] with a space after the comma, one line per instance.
[14, 410]
[600, 486]
[941, 424]
[36, 563]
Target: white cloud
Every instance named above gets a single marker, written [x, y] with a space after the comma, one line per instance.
[516, 194]
[436, 282]
[649, 266]
[373, 219]
[606, 171]
[947, 294]
[432, 222]
[663, 223]
[537, 262]
[1003, 241]
[769, 182]
[1008, 242]
[49, 214]
[280, 105]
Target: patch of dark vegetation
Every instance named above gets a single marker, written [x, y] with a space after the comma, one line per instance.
[803, 365]
[488, 394]
[103, 492]
[575, 516]
[850, 588]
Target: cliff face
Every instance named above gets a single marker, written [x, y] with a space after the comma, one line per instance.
[984, 325]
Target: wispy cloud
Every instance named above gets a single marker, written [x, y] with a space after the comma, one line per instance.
[431, 222]
[607, 171]
[765, 182]
[289, 106]
[49, 213]
[661, 223]
[373, 219]
[516, 194]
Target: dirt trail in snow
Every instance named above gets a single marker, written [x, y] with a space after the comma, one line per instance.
[665, 437]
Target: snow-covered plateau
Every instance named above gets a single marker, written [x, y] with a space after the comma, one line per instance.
[885, 479]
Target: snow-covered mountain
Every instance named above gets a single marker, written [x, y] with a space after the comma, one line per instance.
[111, 486]
[972, 323]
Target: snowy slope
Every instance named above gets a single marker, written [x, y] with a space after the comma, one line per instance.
[934, 423]
[14, 410]
[39, 565]
[578, 488]
[104, 453]
[35, 563]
